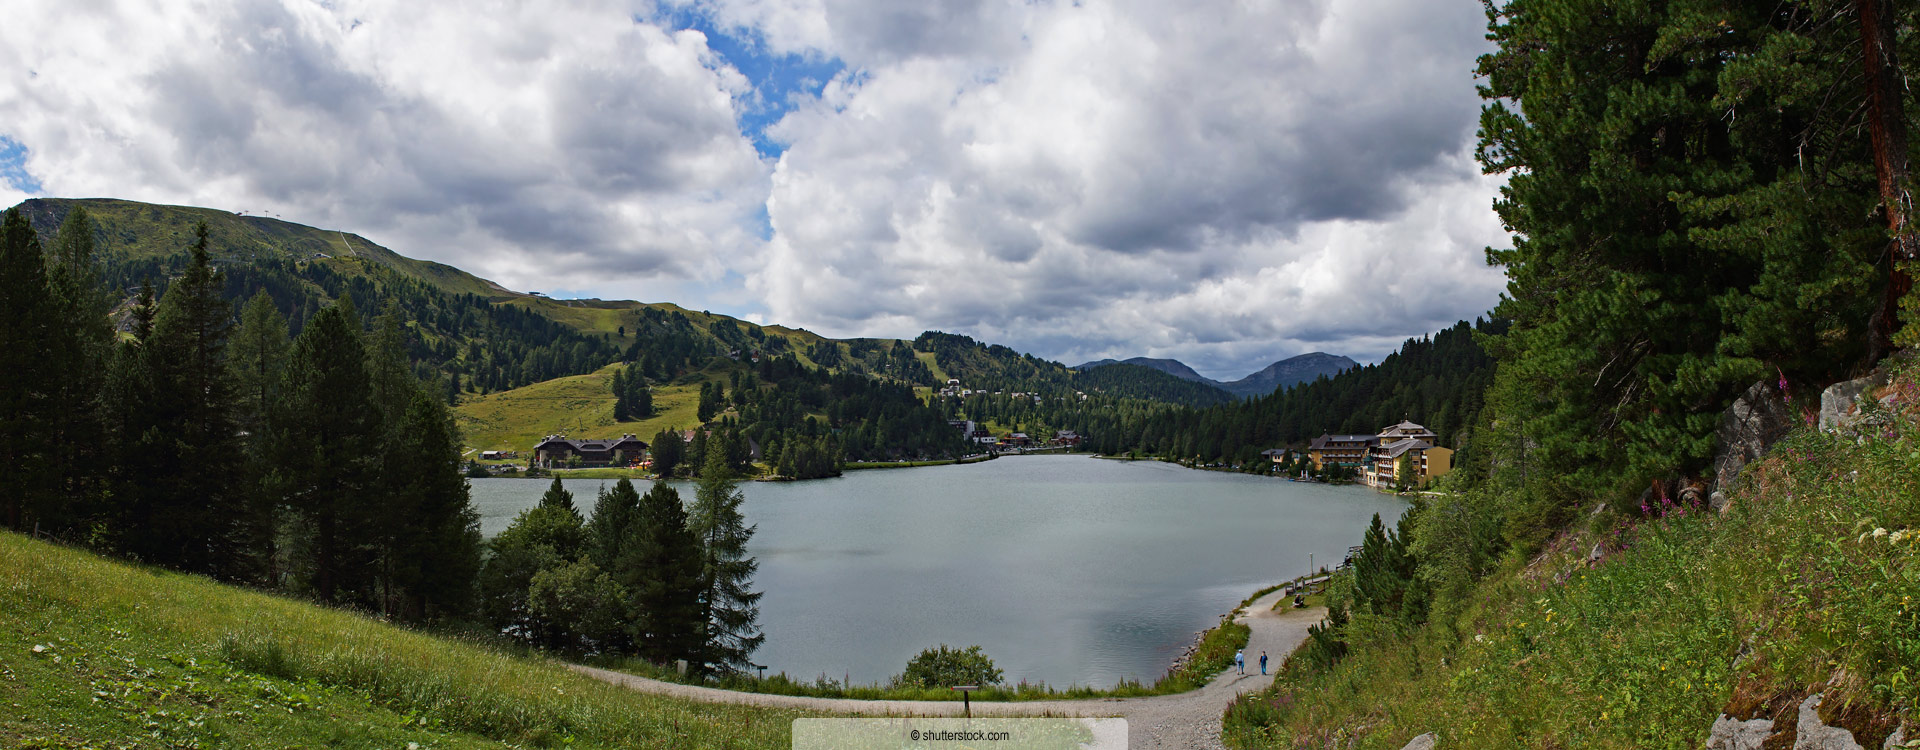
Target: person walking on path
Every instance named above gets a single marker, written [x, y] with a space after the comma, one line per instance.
[1240, 660]
[1263, 662]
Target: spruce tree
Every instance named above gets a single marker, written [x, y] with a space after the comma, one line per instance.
[257, 357]
[660, 567]
[80, 347]
[326, 434]
[668, 452]
[619, 388]
[639, 398]
[199, 522]
[557, 496]
[435, 548]
[730, 604]
[28, 381]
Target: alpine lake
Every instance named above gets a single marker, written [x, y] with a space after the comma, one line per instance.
[1065, 569]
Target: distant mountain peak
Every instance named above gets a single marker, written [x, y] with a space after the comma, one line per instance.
[1282, 374]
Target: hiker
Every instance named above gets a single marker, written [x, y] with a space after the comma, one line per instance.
[1263, 662]
[1240, 660]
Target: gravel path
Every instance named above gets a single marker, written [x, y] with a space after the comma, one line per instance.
[1183, 720]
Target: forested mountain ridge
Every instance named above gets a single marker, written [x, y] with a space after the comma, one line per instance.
[129, 230]
[1289, 372]
[1282, 374]
[1172, 367]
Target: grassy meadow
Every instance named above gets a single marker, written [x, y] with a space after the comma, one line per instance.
[580, 406]
[101, 654]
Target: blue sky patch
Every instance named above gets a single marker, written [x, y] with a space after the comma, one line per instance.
[777, 79]
[13, 166]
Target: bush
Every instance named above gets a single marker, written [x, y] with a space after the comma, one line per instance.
[946, 667]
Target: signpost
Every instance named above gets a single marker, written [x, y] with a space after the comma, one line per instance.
[965, 701]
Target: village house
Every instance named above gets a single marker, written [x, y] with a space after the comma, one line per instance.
[1416, 444]
[558, 450]
[1066, 437]
[1344, 450]
[1278, 455]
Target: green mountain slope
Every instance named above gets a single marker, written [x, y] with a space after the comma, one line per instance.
[129, 230]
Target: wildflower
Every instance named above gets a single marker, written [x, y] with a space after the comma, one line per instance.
[1879, 533]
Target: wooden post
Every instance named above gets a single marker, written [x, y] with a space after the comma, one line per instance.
[966, 704]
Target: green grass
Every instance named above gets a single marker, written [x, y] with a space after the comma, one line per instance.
[579, 405]
[96, 653]
[1808, 583]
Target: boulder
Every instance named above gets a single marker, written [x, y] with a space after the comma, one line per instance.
[1422, 742]
[1810, 733]
[1754, 421]
[1729, 733]
[1838, 400]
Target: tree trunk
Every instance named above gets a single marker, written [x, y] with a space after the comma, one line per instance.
[1886, 121]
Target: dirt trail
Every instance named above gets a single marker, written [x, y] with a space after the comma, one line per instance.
[1183, 720]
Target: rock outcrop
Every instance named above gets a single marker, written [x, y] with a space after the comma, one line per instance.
[1754, 421]
[1729, 733]
[1838, 403]
[1810, 733]
[1422, 742]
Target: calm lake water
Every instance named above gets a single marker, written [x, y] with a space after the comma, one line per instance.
[1065, 569]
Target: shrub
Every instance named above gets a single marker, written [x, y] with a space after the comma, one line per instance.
[945, 667]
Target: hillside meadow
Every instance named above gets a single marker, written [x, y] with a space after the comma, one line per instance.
[102, 654]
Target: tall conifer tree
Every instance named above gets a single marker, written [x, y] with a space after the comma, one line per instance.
[28, 381]
[198, 523]
[326, 434]
[731, 606]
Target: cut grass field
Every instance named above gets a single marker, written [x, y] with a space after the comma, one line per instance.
[579, 406]
[100, 654]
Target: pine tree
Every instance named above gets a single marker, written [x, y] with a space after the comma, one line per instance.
[28, 381]
[199, 523]
[727, 572]
[435, 549]
[80, 346]
[661, 569]
[639, 397]
[619, 387]
[557, 496]
[668, 452]
[326, 430]
[257, 357]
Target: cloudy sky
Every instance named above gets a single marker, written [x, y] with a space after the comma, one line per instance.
[1225, 182]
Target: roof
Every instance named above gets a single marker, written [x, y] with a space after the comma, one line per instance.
[1394, 449]
[1406, 428]
[1320, 443]
[591, 444]
[1274, 452]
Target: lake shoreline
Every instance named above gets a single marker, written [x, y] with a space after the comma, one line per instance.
[1067, 571]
